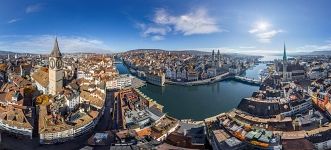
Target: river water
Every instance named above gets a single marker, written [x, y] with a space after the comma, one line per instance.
[202, 101]
[254, 72]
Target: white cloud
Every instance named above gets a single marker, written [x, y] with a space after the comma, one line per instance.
[44, 44]
[313, 47]
[33, 8]
[161, 16]
[265, 37]
[247, 47]
[264, 32]
[156, 31]
[157, 38]
[13, 20]
[195, 22]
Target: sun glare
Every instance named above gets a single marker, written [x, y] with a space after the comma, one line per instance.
[262, 25]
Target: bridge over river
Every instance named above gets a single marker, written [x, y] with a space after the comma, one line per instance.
[248, 80]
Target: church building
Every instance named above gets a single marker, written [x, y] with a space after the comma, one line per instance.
[290, 70]
[55, 70]
[50, 80]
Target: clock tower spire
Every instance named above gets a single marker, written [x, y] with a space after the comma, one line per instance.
[55, 72]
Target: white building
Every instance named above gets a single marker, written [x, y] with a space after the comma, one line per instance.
[119, 82]
[168, 73]
[184, 74]
[124, 81]
[211, 72]
[72, 101]
[234, 70]
[157, 79]
[173, 74]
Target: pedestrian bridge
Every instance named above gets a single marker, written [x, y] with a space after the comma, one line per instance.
[248, 80]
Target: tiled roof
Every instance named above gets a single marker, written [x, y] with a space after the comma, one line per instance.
[14, 117]
[93, 100]
[86, 118]
[41, 76]
[21, 82]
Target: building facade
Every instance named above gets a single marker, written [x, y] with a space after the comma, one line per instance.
[55, 70]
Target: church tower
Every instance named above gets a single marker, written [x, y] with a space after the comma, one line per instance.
[55, 70]
[284, 64]
[213, 58]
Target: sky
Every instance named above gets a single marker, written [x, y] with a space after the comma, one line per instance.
[250, 27]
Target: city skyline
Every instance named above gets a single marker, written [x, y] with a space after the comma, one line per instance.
[165, 74]
[109, 26]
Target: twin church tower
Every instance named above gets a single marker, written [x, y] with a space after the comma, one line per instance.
[55, 70]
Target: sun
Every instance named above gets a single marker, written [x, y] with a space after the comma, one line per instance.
[262, 26]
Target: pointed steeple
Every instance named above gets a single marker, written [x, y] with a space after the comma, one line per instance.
[56, 50]
[284, 54]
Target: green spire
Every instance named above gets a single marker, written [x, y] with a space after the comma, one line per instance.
[284, 55]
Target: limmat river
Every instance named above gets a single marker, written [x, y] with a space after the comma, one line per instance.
[202, 101]
[254, 72]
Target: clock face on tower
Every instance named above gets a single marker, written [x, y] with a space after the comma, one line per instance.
[58, 64]
[52, 63]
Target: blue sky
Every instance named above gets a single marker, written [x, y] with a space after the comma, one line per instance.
[252, 26]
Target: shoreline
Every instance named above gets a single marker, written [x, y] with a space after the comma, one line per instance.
[218, 78]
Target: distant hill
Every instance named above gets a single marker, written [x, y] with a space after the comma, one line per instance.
[196, 52]
[6, 53]
[326, 53]
[320, 53]
[193, 52]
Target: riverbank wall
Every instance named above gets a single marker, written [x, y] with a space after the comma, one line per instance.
[225, 76]
[218, 78]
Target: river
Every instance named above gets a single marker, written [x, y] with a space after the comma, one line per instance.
[202, 101]
[254, 72]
